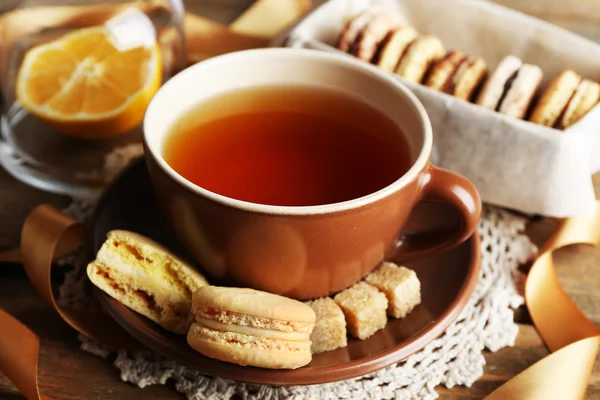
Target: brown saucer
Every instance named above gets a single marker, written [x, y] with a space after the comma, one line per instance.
[447, 283]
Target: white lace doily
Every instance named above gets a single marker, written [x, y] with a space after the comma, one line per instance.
[455, 358]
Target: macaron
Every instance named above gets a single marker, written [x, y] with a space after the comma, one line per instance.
[373, 34]
[421, 54]
[146, 277]
[511, 88]
[457, 74]
[394, 47]
[585, 98]
[249, 327]
[555, 98]
[352, 29]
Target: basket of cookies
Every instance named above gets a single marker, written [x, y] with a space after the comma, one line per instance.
[513, 110]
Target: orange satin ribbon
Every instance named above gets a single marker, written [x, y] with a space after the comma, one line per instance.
[47, 235]
[570, 336]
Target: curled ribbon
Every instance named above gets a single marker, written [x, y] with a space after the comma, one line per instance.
[48, 234]
[570, 336]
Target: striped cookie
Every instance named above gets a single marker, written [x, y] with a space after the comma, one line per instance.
[585, 98]
[442, 70]
[353, 29]
[517, 99]
[394, 47]
[424, 51]
[373, 34]
[555, 98]
[467, 78]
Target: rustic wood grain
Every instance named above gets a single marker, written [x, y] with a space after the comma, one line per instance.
[66, 372]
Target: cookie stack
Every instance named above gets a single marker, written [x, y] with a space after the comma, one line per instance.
[382, 39]
[566, 100]
[512, 89]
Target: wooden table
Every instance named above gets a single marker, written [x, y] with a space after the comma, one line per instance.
[68, 372]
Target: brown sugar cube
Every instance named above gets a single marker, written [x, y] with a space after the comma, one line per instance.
[400, 285]
[330, 327]
[364, 308]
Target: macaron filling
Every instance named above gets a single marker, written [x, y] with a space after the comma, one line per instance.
[204, 333]
[249, 330]
[234, 318]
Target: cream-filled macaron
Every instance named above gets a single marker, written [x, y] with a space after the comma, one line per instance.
[250, 327]
[147, 278]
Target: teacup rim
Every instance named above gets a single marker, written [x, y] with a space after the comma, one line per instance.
[409, 176]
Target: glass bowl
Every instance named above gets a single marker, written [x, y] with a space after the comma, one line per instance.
[76, 78]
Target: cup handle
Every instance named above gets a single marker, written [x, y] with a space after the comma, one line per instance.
[446, 187]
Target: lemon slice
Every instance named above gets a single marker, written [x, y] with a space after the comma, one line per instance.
[84, 86]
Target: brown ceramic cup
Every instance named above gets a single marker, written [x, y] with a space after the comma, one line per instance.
[312, 251]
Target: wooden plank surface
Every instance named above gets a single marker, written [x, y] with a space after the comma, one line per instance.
[66, 372]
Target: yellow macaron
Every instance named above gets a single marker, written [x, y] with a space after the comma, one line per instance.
[146, 277]
[250, 327]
